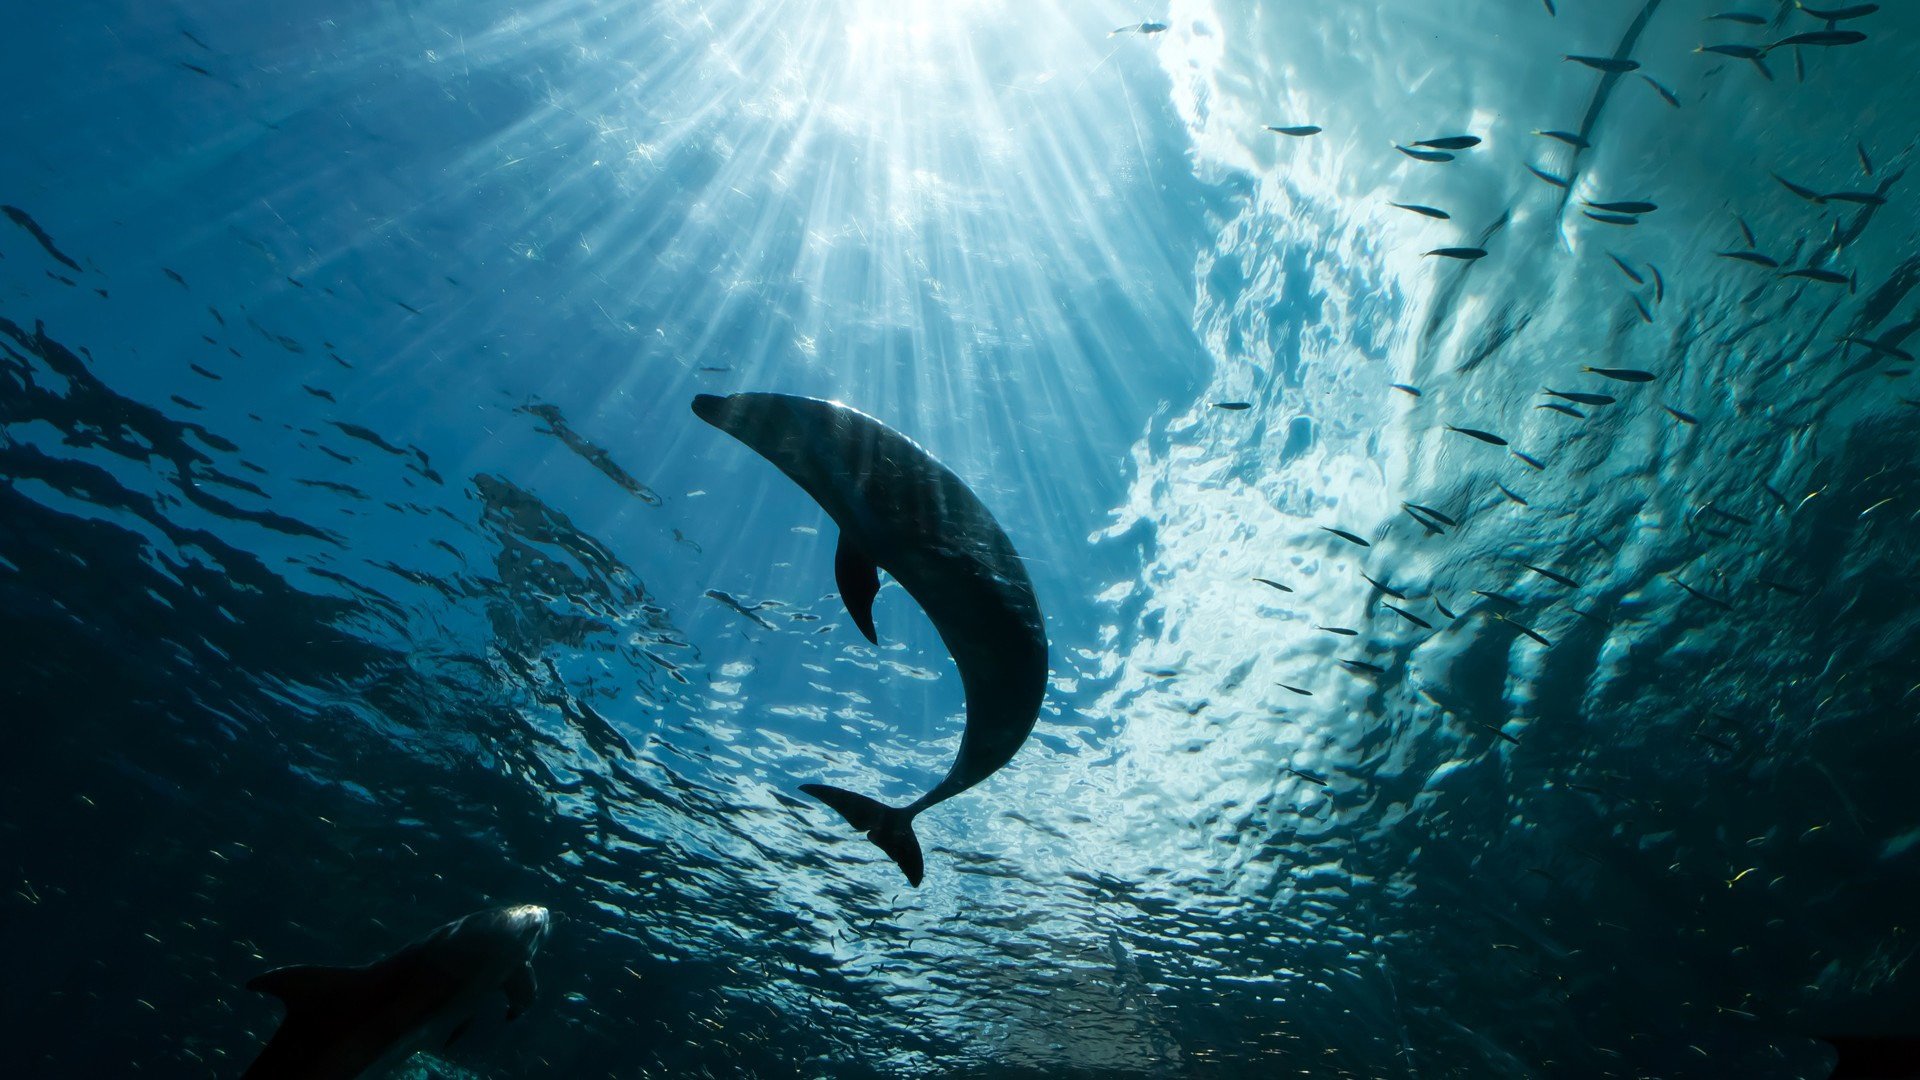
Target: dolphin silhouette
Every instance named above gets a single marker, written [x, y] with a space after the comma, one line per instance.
[343, 1022]
[901, 511]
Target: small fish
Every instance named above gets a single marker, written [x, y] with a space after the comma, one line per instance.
[1432, 528]
[1738, 52]
[1746, 230]
[1298, 131]
[1508, 492]
[1424, 211]
[1880, 349]
[1143, 28]
[1714, 600]
[1432, 513]
[1866, 163]
[1839, 14]
[1818, 273]
[1552, 575]
[1295, 689]
[1738, 17]
[1754, 257]
[1405, 389]
[1409, 616]
[1345, 535]
[1273, 583]
[1640, 306]
[174, 275]
[1612, 219]
[1530, 460]
[1578, 142]
[1233, 406]
[1565, 410]
[1632, 274]
[1556, 181]
[1535, 635]
[1450, 142]
[1780, 587]
[1362, 665]
[203, 372]
[1483, 436]
[1806, 193]
[1621, 374]
[1388, 589]
[1663, 91]
[1442, 609]
[1464, 254]
[1501, 597]
[1628, 207]
[1686, 418]
[1341, 630]
[1424, 155]
[1820, 38]
[1659, 284]
[1578, 397]
[1503, 734]
[1606, 63]
[1307, 776]
[1858, 198]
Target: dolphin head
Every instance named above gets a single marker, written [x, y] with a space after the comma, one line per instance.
[526, 924]
[826, 447]
[777, 426]
[504, 933]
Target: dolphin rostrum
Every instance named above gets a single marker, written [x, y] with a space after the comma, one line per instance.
[901, 511]
[343, 1022]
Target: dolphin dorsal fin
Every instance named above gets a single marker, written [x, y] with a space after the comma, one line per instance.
[307, 985]
[859, 581]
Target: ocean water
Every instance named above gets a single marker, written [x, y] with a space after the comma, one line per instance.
[362, 565]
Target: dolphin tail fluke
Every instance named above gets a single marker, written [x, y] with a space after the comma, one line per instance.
[890, 828]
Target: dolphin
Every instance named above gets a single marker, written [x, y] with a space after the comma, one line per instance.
[344, 1022]
[901, 511]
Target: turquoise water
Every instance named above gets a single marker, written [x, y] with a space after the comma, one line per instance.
[362, 564]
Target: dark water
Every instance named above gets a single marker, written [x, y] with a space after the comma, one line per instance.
[361, 564]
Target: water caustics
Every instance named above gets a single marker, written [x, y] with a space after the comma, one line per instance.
[1464, 452]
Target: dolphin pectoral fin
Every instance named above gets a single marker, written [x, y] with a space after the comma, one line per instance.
[859, 581]
[519, 990]
[890, 829]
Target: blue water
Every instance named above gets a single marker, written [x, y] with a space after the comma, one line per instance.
[359, 553]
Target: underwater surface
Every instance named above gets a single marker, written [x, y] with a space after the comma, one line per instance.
[362, 563]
